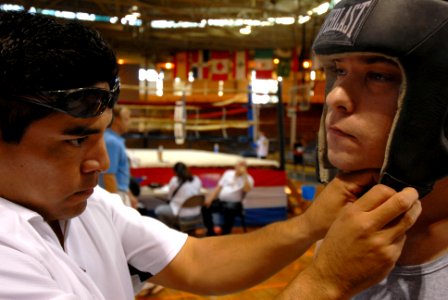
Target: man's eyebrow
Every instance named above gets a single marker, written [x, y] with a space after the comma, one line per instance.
[378, 59]
[80, 131]
[371, 60]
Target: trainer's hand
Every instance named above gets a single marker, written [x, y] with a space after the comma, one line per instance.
[365, 241]
[343, 189]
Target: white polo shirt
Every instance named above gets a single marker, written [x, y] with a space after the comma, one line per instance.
[99, 244]
[188, 189]
[232, 186]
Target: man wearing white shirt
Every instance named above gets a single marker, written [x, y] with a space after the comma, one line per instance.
[227, 196]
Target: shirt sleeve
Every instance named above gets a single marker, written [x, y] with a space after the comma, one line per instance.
[224, 178]
[251, 180]
[198, 182]
[172, 185]
[149, 245]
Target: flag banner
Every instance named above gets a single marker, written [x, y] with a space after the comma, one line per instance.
[199, 63]
[181, 65]
[295, 59]
[220, 61]
[206, 61]
[284, 65]
[240, 64]
[263, 63]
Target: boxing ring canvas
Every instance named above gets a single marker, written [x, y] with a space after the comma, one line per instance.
[264, 204]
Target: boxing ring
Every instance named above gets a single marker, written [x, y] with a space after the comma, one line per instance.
[264, 204]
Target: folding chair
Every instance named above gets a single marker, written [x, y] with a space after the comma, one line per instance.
[189, 224]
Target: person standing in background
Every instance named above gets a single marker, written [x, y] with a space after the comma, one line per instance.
[117, 178]
[262, 146]
[297, 153]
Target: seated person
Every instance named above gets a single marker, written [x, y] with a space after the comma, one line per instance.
[181, 187]
[227, 195]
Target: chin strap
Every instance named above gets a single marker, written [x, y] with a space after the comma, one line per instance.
[398, 185]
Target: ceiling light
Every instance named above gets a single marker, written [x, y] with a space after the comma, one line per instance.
[306, 64]
[321, 9]
[284, 20]
[169, 66]
[304, 19]
[246, 30]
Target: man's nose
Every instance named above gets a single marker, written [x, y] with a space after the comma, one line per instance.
[340, 98]
[98, 160]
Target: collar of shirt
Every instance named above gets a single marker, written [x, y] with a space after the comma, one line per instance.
[23, 212]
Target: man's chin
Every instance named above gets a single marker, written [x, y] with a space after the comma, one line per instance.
[343, 164]
[78, 202]
[76, 210]
[348, 166]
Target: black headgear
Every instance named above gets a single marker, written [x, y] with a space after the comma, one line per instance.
[414, 33]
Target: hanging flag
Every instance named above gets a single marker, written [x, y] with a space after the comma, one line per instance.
[206, 61]
[220, 65]
[263, 63]
[199, 63]
[240, 64]
[295, 59]
[284, 64]
[181, 65]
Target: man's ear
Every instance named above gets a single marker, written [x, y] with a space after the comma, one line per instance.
[112, 121]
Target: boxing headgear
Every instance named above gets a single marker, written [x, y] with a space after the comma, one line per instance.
[413, 33]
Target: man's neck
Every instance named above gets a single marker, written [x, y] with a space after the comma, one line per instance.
[58, 231]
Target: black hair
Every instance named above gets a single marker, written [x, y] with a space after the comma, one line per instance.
[182, 172]
[134, 186]
[40, 53]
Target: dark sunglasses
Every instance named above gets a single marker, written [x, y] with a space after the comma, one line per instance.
[86, 102]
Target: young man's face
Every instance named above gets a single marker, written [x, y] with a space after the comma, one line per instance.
[361, 108]
[55, 167]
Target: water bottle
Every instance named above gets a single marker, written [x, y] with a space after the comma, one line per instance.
[216, 148]
[160, 153]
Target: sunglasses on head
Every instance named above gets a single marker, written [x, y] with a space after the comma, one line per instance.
[86, 102]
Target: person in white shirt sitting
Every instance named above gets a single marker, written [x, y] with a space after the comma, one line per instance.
[181, 187]
[227, 196]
